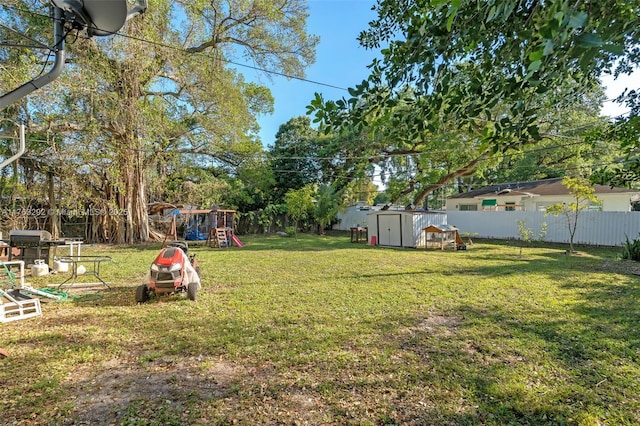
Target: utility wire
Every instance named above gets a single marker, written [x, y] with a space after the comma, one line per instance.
[435, 152]
[182, 50]
[37, 45]
[500, 157]
[389, 155]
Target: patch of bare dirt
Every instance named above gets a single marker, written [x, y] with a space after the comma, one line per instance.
[103, 395]
[435, 324]
[122, 391]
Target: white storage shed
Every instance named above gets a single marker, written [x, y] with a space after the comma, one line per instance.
[394, 228]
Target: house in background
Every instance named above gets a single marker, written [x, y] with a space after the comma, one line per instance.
[536, 196]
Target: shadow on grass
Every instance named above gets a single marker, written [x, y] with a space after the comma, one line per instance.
[483, 361]
[581, 366]
[475, 365]
[549, 265]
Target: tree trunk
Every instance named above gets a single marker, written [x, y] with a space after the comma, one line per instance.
[53, 213]
[131, 214]
[130, 155]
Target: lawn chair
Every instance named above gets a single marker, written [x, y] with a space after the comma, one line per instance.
[18, 306]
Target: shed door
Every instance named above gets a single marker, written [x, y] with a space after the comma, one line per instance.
[389, 230]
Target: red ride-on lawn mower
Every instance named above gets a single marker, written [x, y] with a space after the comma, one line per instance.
[172, 271]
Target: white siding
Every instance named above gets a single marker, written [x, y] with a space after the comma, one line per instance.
[594, 228]
[402, 228]
[615, 202]
[354, 215]
[423, 219]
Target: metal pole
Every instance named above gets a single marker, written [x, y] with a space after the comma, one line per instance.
[21, 150]
[35, 84]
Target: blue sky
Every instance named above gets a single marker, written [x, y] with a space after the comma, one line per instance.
[340, 61]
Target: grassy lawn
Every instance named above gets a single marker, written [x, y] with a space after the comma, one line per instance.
[323, 331]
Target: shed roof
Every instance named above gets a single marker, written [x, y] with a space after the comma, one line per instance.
[440, 228]
[534, 188]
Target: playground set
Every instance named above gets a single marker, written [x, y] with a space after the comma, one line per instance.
[215, 226]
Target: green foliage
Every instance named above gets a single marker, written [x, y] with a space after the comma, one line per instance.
[143, 115]
[299, 204]
[475, 77]
[624, 131]
[326, 207]
[572, 141]
[631, 249]
[381, 198]
[254, 184]
[267, 217]
[293, 157]
[584, 197]
[360, 190]
[527, 235]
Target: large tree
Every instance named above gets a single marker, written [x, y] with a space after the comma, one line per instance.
[472, 76]
[294, 157]
[161, 96]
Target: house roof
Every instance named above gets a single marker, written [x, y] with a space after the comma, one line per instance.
[534, 188]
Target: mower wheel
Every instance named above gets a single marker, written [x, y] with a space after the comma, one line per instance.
[192, 291]
[142, 293]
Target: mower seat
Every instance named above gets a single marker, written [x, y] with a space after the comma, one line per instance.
[179, 244]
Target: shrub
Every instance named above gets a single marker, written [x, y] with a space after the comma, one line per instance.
[631, 250]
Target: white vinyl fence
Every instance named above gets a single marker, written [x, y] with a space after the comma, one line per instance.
[594, 228]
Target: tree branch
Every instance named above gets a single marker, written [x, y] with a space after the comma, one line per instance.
[464, 171]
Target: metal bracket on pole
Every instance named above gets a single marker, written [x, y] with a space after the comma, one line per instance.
[35, 84]
[21, 149]
[95, 17]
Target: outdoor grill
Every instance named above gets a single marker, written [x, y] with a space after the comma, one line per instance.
[32, 245]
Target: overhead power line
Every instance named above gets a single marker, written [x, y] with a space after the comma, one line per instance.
[183, 50]
[442, 151]
[207, 54]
